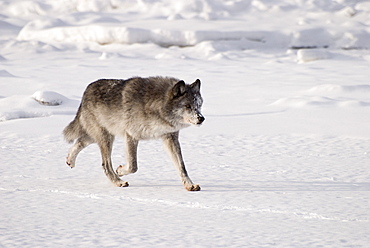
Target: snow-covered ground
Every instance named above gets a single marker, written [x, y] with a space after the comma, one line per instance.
[283, 157]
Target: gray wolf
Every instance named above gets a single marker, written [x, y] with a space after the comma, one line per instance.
[136, 109]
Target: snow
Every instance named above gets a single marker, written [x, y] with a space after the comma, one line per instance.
[282, 158]
[307, 55]
[49, 98]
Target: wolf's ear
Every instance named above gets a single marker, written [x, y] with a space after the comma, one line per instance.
[179, 89]
[196, 85]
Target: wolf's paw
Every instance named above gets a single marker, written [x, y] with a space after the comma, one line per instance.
[121, 183]
[193, 187]
[69, 162]
[123, 170]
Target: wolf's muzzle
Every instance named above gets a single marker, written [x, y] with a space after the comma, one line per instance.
[200, 118]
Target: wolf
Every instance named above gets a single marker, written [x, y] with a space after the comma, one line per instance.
[136, 109]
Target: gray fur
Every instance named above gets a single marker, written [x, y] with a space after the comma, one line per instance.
[137, 109]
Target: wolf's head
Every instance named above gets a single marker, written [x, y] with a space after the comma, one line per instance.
[186, 102]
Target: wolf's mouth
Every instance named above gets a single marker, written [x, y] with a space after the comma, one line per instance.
[197, 122]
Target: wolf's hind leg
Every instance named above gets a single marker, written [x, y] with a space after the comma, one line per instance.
[131, 157]
[80, 144]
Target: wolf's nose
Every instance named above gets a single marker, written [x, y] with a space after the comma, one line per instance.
[201, 119]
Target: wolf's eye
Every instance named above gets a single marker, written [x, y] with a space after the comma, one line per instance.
[188, 106]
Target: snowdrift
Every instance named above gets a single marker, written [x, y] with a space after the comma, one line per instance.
[312, 24]
[40, 104]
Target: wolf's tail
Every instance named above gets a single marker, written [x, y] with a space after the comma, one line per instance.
[73, 131]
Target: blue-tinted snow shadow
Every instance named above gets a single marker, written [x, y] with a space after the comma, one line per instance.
[286, 186]
[246, 114]
[257, 186]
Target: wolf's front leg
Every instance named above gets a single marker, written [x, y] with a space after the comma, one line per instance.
[131, 157]
[172, 144]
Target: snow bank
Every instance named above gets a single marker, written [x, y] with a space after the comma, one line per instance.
[307, 55]
[293, 25]
[104, 35]
[40, 104]
[49, 98]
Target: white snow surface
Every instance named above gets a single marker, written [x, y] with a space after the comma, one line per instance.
[283, 157]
